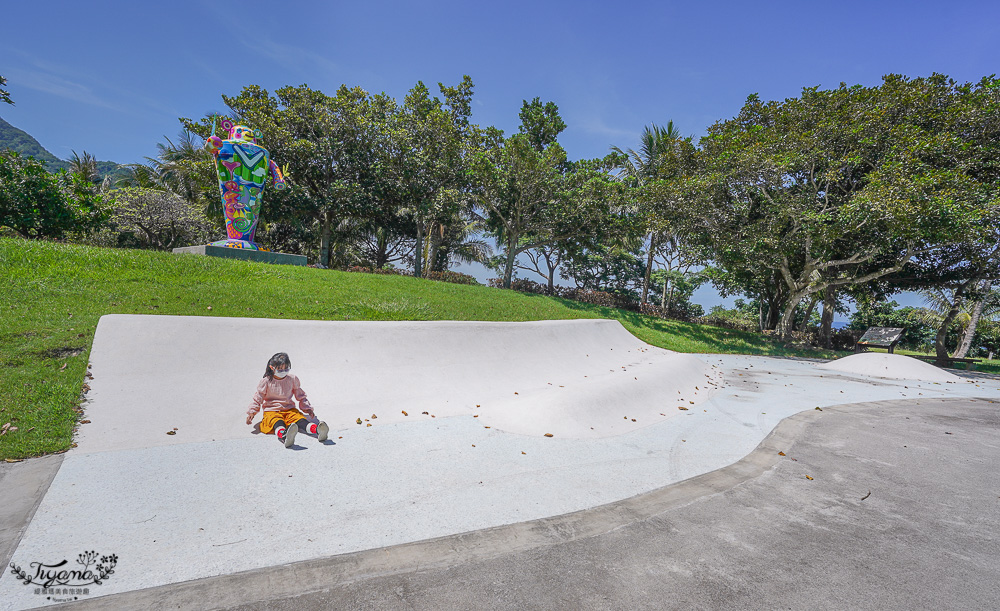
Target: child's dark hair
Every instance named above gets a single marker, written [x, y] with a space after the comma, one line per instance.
[276, 361]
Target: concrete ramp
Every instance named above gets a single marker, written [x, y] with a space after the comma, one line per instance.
[575, 378]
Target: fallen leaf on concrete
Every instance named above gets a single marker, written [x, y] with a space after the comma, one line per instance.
[682, 408]
[405, 414]
[523, 452]
[486, 427]
[633, 419]
[781, 454]
[359, 419]
[374, 417]
[548, 434]
[171, 432]
[473, 445]
[369, 424]
[21, 459]
[691, 402]
[808, 477]
[85, 422]
[424, 413]
[818, 409]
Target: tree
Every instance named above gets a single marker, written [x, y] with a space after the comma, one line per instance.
[4, 95]
[659, 159]
[842, 187]
[540, 123]
[38, 204]
[529, 202]
[85, 167]
[154, 219]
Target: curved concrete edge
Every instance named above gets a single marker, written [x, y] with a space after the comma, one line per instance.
[298, 578]
[24, 484]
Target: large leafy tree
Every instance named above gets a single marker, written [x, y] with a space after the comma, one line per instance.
[38, 204]
[530, 201]
[842, 187]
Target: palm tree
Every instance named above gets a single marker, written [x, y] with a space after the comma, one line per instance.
[85, 167]
[658, 145]
[945, 308]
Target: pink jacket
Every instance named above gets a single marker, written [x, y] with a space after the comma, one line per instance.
[276, 396]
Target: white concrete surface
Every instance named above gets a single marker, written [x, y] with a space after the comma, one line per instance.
[891, 366]
[215, 499]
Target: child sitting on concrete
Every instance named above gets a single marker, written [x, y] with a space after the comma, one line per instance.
[274, 394]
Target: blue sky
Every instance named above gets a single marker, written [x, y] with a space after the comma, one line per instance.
[112, 78]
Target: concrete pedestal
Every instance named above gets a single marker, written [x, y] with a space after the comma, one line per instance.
[263, 256]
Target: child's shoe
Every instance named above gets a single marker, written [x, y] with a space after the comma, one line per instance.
[290, 434]
[322, 431]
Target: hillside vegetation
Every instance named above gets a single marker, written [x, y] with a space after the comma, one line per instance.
[54, 295]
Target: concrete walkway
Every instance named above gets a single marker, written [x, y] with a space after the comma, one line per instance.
[187, 513]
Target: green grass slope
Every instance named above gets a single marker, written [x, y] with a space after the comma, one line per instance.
[52, 296]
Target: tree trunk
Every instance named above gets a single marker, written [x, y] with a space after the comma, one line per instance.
[382, 248]
[809, 312]
[552, 275]
[508, 272]
[787, 325]
[418, 252]
[940, 348]
[649, 269]
[435, 246]
[970, 331]
[324, 245]
[826, 324]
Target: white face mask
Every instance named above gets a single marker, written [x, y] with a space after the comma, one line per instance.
[281, 374]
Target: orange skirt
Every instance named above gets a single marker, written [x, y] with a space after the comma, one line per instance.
[269, 419]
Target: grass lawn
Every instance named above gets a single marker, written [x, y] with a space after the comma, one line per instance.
[52, 296]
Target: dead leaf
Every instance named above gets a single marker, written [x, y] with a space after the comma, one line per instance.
[473, 445]
[369, 424]
[548, 434]
[359, 419]
[633, 419]
[171, 432]
[523, 452]
[683, 408]
[424, 413]
[85, 422]
[21, 459]
[781, 454]
[405, 414]
[808, 477]
[374, 416]
[486, 427]
[818, 409]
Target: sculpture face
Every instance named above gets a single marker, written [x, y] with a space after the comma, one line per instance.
[242, 166]
[242, 133]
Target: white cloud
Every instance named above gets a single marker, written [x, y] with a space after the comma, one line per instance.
[57, 86]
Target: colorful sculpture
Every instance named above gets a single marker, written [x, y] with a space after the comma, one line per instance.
[243, 166]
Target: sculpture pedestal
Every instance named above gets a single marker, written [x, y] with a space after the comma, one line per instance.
[263, 256]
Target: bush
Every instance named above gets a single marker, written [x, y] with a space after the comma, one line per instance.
[445, 276]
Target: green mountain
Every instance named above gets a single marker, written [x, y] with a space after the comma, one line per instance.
[22, 142]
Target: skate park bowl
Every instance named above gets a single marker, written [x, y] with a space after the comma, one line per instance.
[504, 423]
[154, 373]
